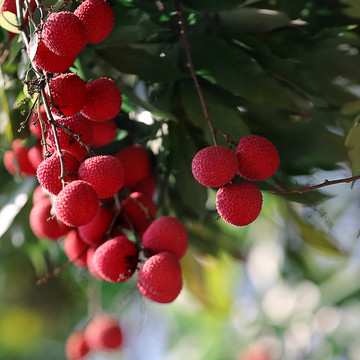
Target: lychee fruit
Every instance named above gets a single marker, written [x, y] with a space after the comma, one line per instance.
[77, 203]
[90, 263]
[104, 132]
[68, 92]
[104, 172]
[76, 347]
[160, 278]
[214, 166]
[34, 122]
[35, 155]
[10, 162]
[136, 163]
[38, 195]
[79, 126]
[166, 233]
[258, 158]
[93, 232]
[138, 210]
[22, 158]
[98, 18]
[147, 186]
[239, 203]
[64, 33]
[75, 249]
[49, 170]
[103, 100]
[49, 61]
[43, 223]
[116, 259]
[104, 333]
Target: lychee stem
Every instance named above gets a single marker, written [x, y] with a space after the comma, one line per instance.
[193, 73]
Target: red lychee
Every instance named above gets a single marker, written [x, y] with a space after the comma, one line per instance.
[50, 62]
[49, 170]
[90, 263]
[104, 132]
[160, 278]
[136, 163]
[147, 186]
[166, 233]
[77, 203]
[116, 259]
[10, 162]
[80, 126]
[44, 224]
[34, 122]
[239, 203]
[68, 93]
[94, 231]
[64, 33]
[105, 174]
[214, 166]
[98, 18]
[258, 158]
[76, 347]
[104, 333]
[139, 209]
[35, 155]
[75, 249]
[39, 195]
[22, 158]
[103, 100]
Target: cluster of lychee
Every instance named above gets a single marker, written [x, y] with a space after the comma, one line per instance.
[102, 333]
[95, 201]
[255, 159]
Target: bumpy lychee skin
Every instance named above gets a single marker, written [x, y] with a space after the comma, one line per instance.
[214, 166]
[104, 333]
[68, 93]
[166, 233]
[75, 249]
[160, 278]
[79, 125]
[98, 18]
[51, 62]
[136, 163]
[239, 203]
[116, 259]
[258, 158]
[43, 224]
[103, 100]
[104, 132]
[139, 209]
[22, 158]
[64, 33]
[76, 347]
[34, 122]
[49, 170]
[76, 204]
[94, 231]
[104, 172]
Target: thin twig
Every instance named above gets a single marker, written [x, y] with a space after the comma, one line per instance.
[315, 187]
[193, 73]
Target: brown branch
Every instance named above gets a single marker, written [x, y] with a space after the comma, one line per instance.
[315, 187]
[193, 73]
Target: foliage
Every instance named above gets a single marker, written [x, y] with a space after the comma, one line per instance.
[286, 70]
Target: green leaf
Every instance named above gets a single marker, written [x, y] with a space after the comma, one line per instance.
[212, 5]
[140, 62]
[352, 144]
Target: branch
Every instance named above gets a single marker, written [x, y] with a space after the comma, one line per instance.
[315, 187]
[193, 73]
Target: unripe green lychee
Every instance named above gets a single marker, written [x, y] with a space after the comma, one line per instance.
[160, 278]
[214, 166]
[77, 203]
[98, 19]
[64, 33]
[104, 333]
[116, 259]
[103, 101]
[105, 174]
[258, 158]
[239, 203]
[166, 233]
